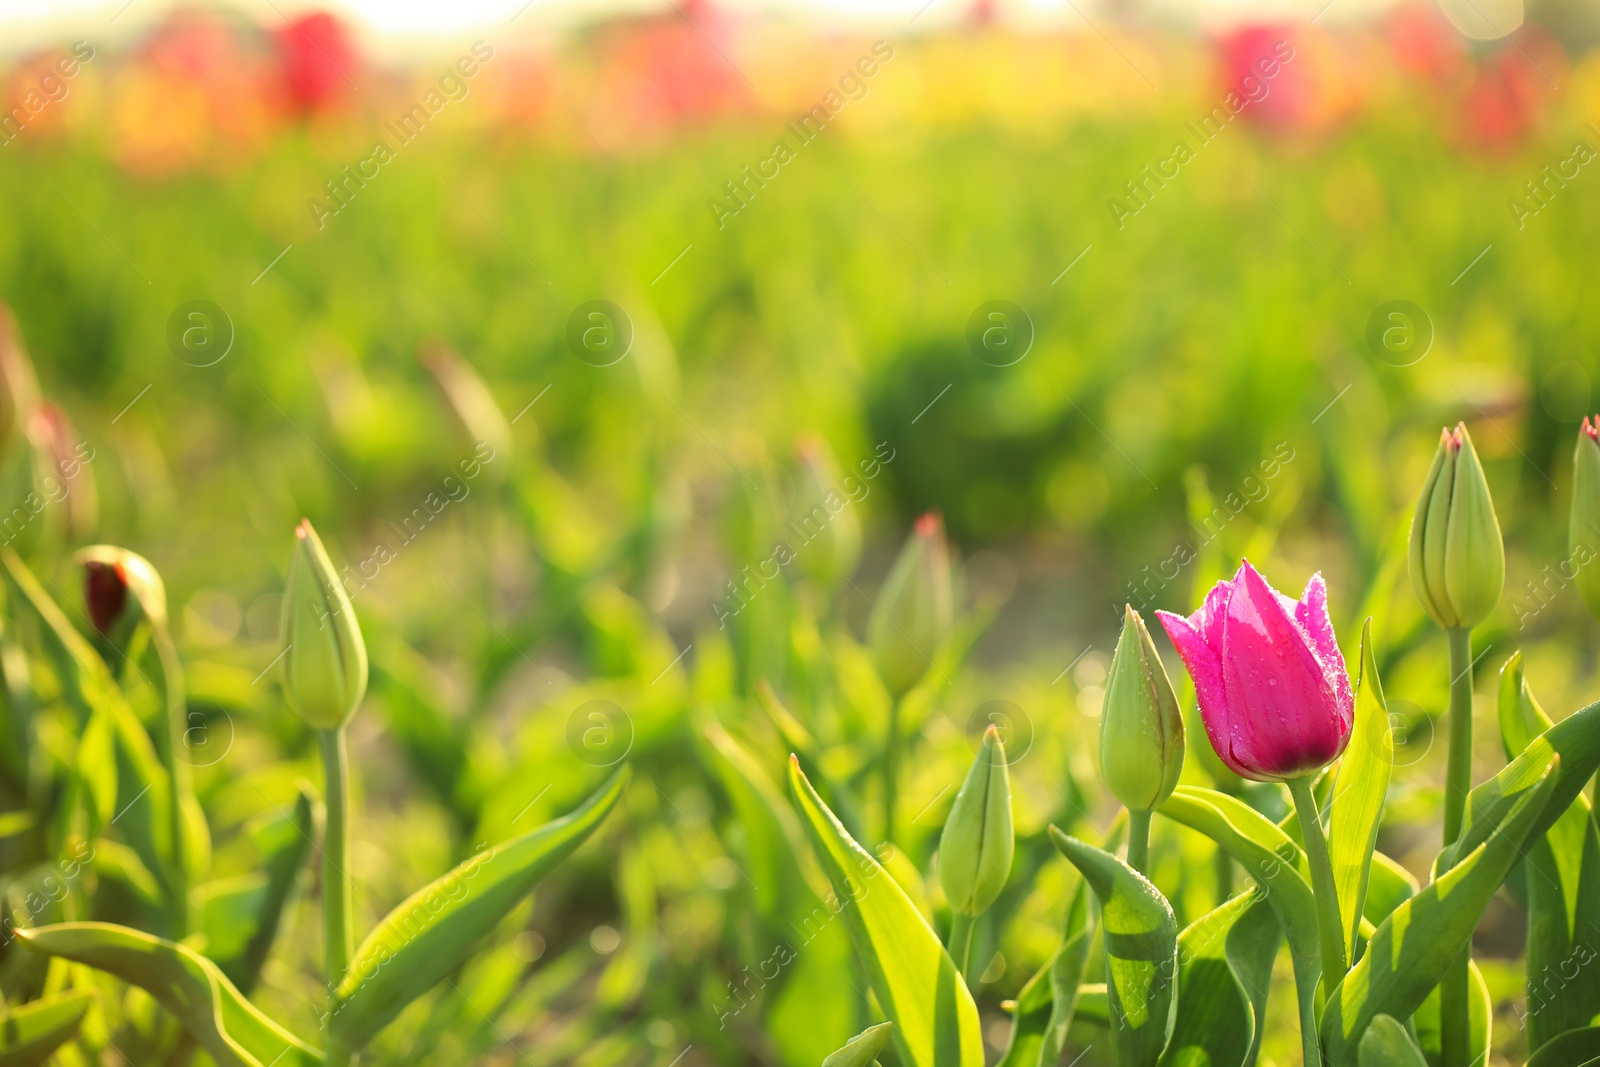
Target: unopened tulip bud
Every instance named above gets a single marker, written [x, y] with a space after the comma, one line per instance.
[915, 607]
[1458, 563]
[1584, 530]
[976, 847]
[323, 658]
[826, 531]
[1141, 725]
[120, 588]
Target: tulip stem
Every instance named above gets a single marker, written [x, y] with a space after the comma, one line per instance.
[1138, 840]
[1458, 775]
[1330, 929]
[337, 911]
[171, 751]
[960, 945]
[1455, 1027]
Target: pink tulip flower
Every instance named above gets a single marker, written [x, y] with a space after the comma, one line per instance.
[1272, 686]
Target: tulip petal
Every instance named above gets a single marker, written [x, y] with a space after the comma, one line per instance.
[1286, 719]
[1205, 667]
[1311, 612]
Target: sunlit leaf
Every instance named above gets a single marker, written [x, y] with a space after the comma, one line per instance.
[936, 1021]
[437, 927]
[1411, 949]
[29, 1033]
[1140, 937]
[862, 1049]
[216, 1015]
[1358, 794]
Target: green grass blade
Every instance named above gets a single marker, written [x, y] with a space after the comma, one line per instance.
[1411, 949]
[437, 927]
[1140, 939]
[191, 987]
[936, 1021]
[1358, 794]
[1386, 1044]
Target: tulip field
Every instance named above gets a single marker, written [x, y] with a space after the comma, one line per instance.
[1003, 534]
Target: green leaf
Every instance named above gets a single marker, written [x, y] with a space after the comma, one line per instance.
[1480, 1021]
[1411, 949]
[936, 1021]
[770, 831]
[242, 919]
[862, 1049]
[1576, 740]
[29, 1033]
[1388, 886]
[1046, 1002]
[1563, 886]
[437, 927]
[191, 987]
[1386, 1044]
[1575, 1048]
[1227, 957]
[1358, 794]
[1140, 940]
[1279, 868]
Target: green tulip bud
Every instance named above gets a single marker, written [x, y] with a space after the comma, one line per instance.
[1458, 564]
[1141, 725]
[1584, 530]
[975, 849]
[323, 659]
[914, 610]
[824, 524]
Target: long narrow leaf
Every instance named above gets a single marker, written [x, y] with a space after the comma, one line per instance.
[936, 1021]
[1563, 884]
[1227, 958]
[1410, 951]
[437, 927]
[1140, 938]
[1278, 866]
[191, 987]
[1358, 794]
[29, 1033]
[1045, 1004]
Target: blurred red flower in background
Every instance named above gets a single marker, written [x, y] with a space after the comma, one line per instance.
[1425, 45]
[317, 59]
[1512, 88]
